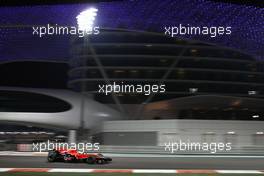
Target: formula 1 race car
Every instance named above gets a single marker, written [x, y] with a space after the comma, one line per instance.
[73, 155]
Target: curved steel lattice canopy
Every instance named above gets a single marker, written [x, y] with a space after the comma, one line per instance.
[17, 41]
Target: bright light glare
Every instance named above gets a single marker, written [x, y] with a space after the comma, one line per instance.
[85, 19]
[255, 116]
[231, 132]
[259, 132]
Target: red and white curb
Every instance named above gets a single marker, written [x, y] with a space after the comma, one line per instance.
[151, 171]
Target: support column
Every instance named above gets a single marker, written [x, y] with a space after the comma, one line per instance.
[72, 135]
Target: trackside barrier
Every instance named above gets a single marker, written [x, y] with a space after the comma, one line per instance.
[247, 150]
[24, 147]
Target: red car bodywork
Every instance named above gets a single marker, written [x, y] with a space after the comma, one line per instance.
[71, 155]
[76, 154]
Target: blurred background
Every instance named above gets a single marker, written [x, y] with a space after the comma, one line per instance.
[214, 86]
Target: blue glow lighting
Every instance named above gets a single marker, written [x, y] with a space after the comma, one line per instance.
[247, 24]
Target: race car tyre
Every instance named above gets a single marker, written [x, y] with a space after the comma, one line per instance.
[100, 161]
[52, 156]
[91, 160]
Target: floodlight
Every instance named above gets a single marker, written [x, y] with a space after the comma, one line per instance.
[85, 19]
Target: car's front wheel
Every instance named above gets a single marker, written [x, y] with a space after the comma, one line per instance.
[91, 160]
[100, 161]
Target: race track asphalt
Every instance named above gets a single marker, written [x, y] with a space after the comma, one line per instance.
[141, 163]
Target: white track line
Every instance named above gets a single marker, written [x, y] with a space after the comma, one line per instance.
[152, 171]
[238, 172]
[71, 170]
[163, 171]
[5, 169]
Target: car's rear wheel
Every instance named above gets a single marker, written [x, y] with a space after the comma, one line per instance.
[91, 160]
[52, 156]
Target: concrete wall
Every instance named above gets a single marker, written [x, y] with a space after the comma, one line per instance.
[127, 138]
[94, 112]
[240, 133]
